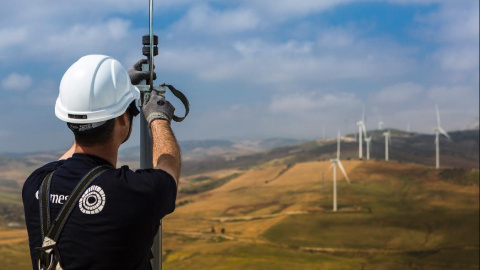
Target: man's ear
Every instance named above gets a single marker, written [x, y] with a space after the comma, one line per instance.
[123, 119]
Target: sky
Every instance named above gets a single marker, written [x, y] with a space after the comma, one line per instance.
[252, 69]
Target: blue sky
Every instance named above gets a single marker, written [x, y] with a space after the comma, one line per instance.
[252, 69]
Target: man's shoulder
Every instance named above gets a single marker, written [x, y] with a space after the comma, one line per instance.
[146, 174]
[35, 178]
[50, 166]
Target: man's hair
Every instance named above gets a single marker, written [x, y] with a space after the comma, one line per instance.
[96, 136]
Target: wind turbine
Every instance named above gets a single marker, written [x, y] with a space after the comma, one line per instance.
[438, 130]
[380, 123]
[368, 140]
[335, 162]
[387, 142]
[361, 128]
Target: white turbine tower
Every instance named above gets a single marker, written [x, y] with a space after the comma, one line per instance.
[361, 128]
[368, 140]
[360, 140]
[387, 142]
[438, 130]
[335, 162]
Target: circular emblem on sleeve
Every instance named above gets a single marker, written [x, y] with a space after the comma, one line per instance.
[92, 200]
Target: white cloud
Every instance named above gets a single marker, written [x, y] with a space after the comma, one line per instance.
[304, 70]
[17, 82]
[64, 12]
[336, 38]
[207, 20]
[45, 94]
[299, 104]
[11, 37]
[399, 94]
[283, 9]
[66, 43]
[293, 61]
[461, 58]
[453, 96]
[454, 22]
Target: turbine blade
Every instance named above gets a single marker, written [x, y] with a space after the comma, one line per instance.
[438, 115]
[444, 132]
[343, 171]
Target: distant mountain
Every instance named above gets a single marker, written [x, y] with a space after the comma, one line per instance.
[235, 157]
[472, 125]
[199, 149]
[191, 145]
[207, 155]
[278, 142]
[462, 151]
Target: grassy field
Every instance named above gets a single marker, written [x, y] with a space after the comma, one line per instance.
[392, 216]
[14, 251]
[276, 216]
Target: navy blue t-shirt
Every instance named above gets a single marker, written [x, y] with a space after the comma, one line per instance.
[113, 224]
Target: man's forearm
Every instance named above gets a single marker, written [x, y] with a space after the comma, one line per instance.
[166, 152]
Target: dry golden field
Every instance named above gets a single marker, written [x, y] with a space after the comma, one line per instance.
[392, 216]
[274, 216]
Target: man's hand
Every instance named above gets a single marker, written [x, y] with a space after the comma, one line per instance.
[137, 75]
[157, 107]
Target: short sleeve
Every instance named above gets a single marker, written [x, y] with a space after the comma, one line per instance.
[158, 184]
[32, 183]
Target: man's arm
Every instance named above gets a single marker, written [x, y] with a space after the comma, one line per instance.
[69, 152]
[166, 153]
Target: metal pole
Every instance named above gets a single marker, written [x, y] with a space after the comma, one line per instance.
[146, 145]
[150, 32]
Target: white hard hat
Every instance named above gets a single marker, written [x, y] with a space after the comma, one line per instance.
[96, 88]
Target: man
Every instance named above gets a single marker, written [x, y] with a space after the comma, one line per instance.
[114, 222]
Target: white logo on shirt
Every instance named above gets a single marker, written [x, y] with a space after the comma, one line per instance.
[55, 198]
[92, 201]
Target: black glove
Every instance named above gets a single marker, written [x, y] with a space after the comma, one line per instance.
[157, 107]
[137, 75]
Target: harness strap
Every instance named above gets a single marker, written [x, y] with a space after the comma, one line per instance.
[48, 256]
[55, 229]
[182, 98]
[43, 199]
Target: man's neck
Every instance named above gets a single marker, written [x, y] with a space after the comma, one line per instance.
[106, 152]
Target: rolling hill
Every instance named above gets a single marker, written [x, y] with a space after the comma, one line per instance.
[393, 216]
[462, 151]
[271, 209]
